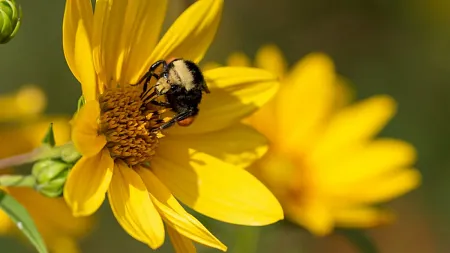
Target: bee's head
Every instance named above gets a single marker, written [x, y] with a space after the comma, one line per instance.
[162, 86]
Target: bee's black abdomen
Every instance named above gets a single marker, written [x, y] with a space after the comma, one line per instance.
[180, 100]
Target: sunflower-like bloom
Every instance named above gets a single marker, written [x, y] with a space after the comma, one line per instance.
[142, 171]
[52, 216]
[324, 164]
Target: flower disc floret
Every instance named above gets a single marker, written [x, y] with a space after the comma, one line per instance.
[128, 125]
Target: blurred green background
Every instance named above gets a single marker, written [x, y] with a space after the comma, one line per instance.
[400, 48]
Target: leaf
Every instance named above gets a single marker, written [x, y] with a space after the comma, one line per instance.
[23, 220]
[49, 138]
[360, 240]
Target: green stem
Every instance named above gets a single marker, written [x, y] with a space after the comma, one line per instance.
[247, 240]
[360, 240]
[40, 153]
[18, 159]
[18, 180]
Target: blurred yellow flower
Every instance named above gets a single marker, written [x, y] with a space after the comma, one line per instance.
[201, 165]
[27, 103]
[324, 164]
[23, 130]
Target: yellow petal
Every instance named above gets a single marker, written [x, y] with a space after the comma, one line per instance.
[372, 160]
[85, 135]
[380, 189]
[305, 100]
[174, 214]
[263, 121]
[51, 215]
[29, 136]
[210, 65]
[362, 217]
[240, 145]
[77, 31]
[355, 124]
[132, 207]
[236, 92]
[238, 59]
[6, 224]
[102, 8]
[125, 34]
[180, 243]
[54, 220]
[345, 93]
[218, 190]
[145, 18]
[191, 34]
[313, 215]
[27, 102]
[64, 244]
[88, 182]
[276, 170]
[109, 18]
[270, 58]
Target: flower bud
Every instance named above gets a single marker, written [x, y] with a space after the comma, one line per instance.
[50, 177]
[55, 187]
[10, 15]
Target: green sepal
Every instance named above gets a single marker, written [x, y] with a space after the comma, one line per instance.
[69, 154]
[20, 216]
[49, 138]
[81, 103]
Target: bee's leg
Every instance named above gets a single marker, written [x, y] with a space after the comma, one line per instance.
[179, 117]
[152, 69]
[151, 73]
[157, 64]
[171, 121]
[165, 66]
[148, 97]
[161, 103]
[168, 124]
[146, 78]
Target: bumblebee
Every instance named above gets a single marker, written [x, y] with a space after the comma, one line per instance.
[182, 83]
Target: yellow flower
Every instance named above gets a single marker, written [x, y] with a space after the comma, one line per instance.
[143, 171]
[324, 164]
[23, 105]
[23, 131]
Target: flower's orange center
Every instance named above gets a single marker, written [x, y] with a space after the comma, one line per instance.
[130, 125]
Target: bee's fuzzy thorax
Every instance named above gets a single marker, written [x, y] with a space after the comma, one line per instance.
[182, 75]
